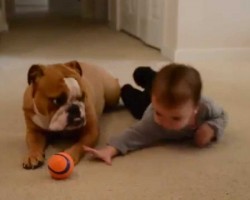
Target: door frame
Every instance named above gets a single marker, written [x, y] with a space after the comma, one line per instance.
[3, 18]
[114, 14]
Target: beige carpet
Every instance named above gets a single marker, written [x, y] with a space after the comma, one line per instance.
[168, 171]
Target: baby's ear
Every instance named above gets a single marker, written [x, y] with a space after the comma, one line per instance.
[35, 72]
[75, 66]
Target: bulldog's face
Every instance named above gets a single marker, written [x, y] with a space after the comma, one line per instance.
[58, 96]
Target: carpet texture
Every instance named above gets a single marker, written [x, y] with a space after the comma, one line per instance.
[168, 171]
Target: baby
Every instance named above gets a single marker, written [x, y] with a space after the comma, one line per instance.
[177, 111]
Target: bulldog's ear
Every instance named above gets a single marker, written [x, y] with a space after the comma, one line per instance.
[75, 66]
[34, 72]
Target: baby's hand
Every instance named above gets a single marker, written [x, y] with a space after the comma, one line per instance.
[204, 135]
[104, 154]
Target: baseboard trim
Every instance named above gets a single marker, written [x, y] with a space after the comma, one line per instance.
[168, 53]
[220, 54]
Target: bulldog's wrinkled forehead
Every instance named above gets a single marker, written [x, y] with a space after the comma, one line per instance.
[74, 88]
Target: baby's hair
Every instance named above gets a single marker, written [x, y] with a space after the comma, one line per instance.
[176, 84]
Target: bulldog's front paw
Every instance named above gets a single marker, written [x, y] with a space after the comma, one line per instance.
[74, 153]
[33, 161]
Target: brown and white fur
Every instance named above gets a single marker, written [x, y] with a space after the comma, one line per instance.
[65, 98]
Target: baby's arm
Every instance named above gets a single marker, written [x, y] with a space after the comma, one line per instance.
[144, 133]
[213, 125]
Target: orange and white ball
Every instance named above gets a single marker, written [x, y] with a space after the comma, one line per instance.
[60, 165]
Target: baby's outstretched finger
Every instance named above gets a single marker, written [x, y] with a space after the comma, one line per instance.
[89, 150]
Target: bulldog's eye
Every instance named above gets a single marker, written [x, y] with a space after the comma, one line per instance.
[59, 101]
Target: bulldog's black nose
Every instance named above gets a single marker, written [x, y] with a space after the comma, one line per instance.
[74, 116]
[74, 111]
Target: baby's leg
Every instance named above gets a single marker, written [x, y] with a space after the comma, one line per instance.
[144, 76]
[135, 100]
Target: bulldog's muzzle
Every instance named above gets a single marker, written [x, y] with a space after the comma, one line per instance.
[74, 116]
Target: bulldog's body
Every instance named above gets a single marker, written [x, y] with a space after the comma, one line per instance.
[65, 98]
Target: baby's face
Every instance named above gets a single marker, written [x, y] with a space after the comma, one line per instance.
[174, 118]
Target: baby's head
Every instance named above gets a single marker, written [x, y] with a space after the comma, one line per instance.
[176, 93]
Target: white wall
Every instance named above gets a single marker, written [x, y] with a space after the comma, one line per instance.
[209, 29]
[214, 23]
[170, 28]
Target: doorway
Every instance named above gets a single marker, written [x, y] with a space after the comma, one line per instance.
[58, 32]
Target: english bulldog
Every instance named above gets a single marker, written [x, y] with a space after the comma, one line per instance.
[65, 99]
